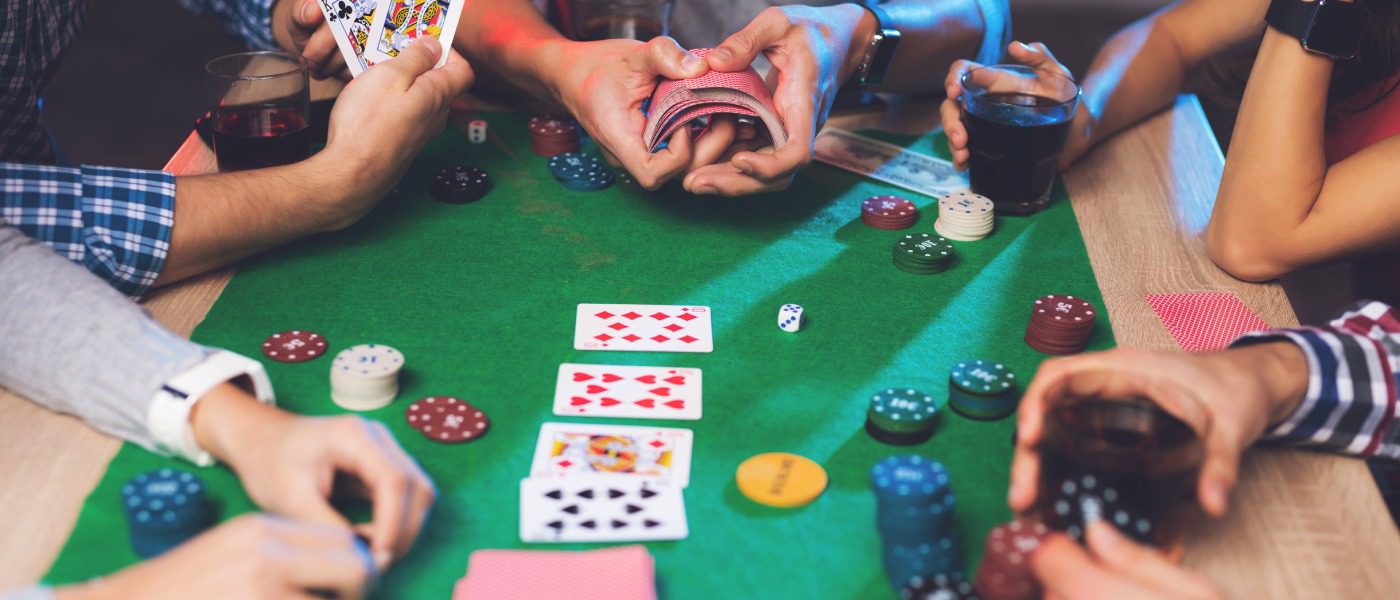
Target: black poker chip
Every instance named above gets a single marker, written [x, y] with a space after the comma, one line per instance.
[460, 184]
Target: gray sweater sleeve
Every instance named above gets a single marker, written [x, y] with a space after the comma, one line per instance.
[75, 345]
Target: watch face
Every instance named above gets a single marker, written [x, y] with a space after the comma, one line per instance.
[1336, 29]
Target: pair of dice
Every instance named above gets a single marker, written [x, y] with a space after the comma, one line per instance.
[791, 318]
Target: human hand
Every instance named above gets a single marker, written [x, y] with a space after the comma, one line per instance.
[1114, 567]
[1228, 398]
[382, 119]
[299, 27]
[288, 465]
[605, 83]
[813, 51]
[1032, 55]
[251, 556]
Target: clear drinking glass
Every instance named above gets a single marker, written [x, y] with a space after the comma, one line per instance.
[1017, 120]
[260, 103]
[591, 20]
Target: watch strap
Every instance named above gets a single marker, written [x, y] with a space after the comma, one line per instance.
[168, 417]
[878, 53]
[1293, 17]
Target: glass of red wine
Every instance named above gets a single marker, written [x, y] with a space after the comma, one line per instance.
[592, 20]
[1017, 120]
[260, 105]
[1121, 460]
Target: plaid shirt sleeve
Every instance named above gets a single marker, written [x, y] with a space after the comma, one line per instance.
[1353, 372]
[247, 19]
[115, 222]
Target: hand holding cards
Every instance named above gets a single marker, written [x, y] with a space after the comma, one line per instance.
[372, 31]
[677, 102]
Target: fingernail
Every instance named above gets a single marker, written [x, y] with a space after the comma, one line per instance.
[1026, 47]
[308, 10]
[691, 62]
[720, 54]
[704, 190]
[382, 558]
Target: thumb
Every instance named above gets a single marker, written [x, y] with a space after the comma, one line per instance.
[419, 57]
[739, 50]
[1034, 55]
[669, 60]
[1218, 475]
[308, 15]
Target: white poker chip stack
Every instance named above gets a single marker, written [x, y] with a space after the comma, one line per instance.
[965, 216]
[365, 377]
[791, 318]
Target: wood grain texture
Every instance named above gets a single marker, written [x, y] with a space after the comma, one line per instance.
[1305, 525]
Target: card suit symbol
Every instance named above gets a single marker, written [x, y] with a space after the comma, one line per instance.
[615, 494]
[631, 316]
[687, 317]
[660, 316]
[582, 377]
[609, 378]
[577, 401]
[648, 493]
[647, 403]
[610, 402]
[344, 10]
[617, 326]
[687, 339]
[595, 389]
[633, 509]
[658, 338]
[647, 379]
[677, 380]
[572, 509]
[564, 464]
[650, 523]
[661, 391]
[673, 328]
[602, 337]
[676, 404]
[554, 494]
[605, 315]
[586, 494]
[631, 338]
[657, 443]
[557, 526]
[616, 524]
[589, 524]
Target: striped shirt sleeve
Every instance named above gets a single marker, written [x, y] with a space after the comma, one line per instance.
[1353, 373]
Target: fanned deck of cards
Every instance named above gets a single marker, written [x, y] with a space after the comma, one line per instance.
[643, 328]
[373, 31]
[677, 102]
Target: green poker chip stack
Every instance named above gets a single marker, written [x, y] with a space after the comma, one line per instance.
[901, 416]
[923, 254]
[983, 390]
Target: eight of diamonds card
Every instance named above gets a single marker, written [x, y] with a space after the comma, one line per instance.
[627, 392]
[571, 449]
[600, 508]
[643, 328]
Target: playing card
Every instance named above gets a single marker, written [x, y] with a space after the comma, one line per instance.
[600, 508]
[618, 573]
[643, 328]
[678, 101]
[572, 449]
[1201, 322]
[349, 21]
[627, 392]
[399, 22]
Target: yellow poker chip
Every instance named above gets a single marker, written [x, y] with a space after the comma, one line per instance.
[781, 479]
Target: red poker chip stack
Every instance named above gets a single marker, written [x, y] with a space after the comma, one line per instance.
[552, 135]
[1060, 324]
[1005, 572]
[446, 419]
[888, 212]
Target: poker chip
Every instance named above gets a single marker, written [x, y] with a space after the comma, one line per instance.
[552, 135]
[460, 184]
[780, 479]
[573, 165]
[294, 346]
[923, 254]
[982, 389]
[888, 212]
[1060, 324]
[627, 182]
[365, 377]
[1076, 499]
[943, 586]
[965, 216]
[914, 514]
[164, 508]
[447, 419]
[901, 416]
[592, 182]
[1005, 572]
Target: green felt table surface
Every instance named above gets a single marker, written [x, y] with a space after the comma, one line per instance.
[481, 299]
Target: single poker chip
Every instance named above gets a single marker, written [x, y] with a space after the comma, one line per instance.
[573, 165]
[460, 184]
[1005, 572]
[902, 410]
[938, 587]
[368, 360]
[447, 419]
[926, 560]
[781, 479]
[1077, 499]
[1060, 324]
[982, 377]
[923, 253]
[294, 346]
[888, 212]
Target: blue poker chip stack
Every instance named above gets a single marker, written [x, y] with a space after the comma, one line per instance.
[580, 172]
[914, 514]
[164, 508]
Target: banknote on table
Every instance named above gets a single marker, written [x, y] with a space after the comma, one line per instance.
[888, 163]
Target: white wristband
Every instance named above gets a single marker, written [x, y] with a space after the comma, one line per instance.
[168, 418]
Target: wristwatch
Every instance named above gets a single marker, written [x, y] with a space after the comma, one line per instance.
[1328, 27]
[878, 53]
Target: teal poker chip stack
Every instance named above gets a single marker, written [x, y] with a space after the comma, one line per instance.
[914, 515]
[983, 390]
[923, 254]
[901, 416]
[164, 508]
[580, 172]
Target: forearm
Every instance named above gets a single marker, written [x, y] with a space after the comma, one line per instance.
[225, 217]
[510, 45]
[935, 34]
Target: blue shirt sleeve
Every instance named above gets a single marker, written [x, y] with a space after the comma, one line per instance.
[247, 19]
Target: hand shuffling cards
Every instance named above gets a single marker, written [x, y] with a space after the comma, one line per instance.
[628, 392]
[643, 328]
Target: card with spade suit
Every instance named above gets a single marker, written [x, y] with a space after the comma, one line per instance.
[628, 392]
[600, 508]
